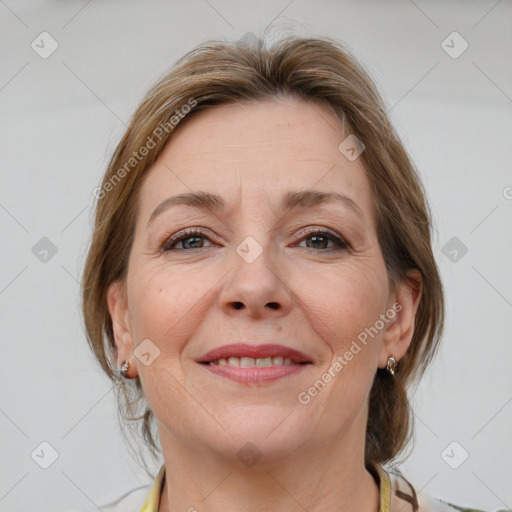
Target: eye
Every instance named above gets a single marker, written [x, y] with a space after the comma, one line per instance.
[191, 238]
[194, 238]
[320, 239]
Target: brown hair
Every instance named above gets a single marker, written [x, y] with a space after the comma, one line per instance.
[314, 69]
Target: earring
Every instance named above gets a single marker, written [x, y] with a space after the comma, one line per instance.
[392, 365]
[124, 369]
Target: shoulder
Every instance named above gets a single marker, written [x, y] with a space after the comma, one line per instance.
[404, 493]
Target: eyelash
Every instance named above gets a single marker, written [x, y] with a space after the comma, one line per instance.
[169, 243]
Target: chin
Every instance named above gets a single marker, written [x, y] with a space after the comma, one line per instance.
[259, 435]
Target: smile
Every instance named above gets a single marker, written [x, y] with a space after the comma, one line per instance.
[246, 363]
[255, 374]
[250, 362]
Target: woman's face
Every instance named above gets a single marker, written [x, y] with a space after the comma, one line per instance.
[255, 229]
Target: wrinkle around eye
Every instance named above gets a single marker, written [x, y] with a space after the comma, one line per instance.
[163, 229]
[355, 232]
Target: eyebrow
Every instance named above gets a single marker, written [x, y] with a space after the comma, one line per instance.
[291, 201]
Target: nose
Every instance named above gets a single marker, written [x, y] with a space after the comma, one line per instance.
[256, 289]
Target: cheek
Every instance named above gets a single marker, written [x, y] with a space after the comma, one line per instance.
[342, 306]
[163, 308]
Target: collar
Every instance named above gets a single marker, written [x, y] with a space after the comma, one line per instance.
[383, 481]
[153, 498]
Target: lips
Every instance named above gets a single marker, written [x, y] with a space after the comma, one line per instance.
[246, 352]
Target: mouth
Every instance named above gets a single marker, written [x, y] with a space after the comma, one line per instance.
[246, 363]
[251, 362]
[248, 356]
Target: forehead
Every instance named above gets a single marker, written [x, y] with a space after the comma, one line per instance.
[260, 150]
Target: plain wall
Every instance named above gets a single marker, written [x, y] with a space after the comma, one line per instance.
[60, 120]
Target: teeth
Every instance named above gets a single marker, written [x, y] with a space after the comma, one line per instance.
[250, 362]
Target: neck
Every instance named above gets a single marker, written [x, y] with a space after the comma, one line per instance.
[329, 477]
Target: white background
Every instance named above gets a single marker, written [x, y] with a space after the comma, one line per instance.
[60, 120]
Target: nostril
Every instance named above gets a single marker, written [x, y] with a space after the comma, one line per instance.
[240, 305]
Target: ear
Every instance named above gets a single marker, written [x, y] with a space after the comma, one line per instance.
[398, 335]
[118, 309]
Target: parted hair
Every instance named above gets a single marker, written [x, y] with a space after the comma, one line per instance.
[318, 69]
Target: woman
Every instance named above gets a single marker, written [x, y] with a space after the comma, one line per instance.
[261, 286]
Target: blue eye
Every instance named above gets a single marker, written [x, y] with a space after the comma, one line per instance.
[320, 239]
[194, 238]
[191, 237]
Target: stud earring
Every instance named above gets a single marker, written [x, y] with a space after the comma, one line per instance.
[392, 365]
[124, 369]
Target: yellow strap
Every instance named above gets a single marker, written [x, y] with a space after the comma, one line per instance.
[385, 489]
[153, 498]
